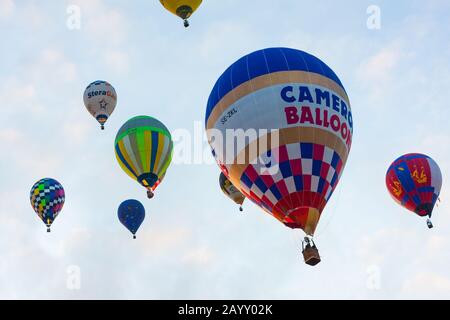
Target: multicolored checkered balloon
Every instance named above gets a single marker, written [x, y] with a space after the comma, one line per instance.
[47, 199]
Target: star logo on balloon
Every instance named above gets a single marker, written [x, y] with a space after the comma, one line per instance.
[103, 104]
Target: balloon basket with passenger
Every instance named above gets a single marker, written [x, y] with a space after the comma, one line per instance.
[182, 8]
[310, 252]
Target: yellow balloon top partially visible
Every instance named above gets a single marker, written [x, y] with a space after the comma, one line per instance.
[182, 8]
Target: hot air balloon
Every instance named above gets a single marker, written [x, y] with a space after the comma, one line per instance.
[47, 199]
[100, 99]
[182, 8]
[144, 148]
[291, 130]
[414, 181]
[231, 191]
[131, 214]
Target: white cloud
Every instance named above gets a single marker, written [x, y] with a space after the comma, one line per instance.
[214, 45]
[11, 136]
[427, 285]
[53, 66]
[77, 131]
[33, 16]
[105, 24]
[19, 96]
[200, 256]
[6, 8]
[118, 61]
[160, 241]
[381, 67]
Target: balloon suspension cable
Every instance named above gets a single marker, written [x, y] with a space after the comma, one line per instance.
[307, 240]
[186, 23]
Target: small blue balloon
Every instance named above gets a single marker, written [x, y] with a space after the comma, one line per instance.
[131, 214]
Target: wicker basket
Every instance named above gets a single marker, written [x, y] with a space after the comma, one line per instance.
[311, 256]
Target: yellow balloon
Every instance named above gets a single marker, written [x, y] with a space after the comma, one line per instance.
[144, 150]
[182, 8]
[231, 191]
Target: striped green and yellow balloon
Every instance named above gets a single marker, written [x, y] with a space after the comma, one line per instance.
[144, 148]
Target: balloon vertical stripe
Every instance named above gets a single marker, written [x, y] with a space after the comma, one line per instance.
[154, 149]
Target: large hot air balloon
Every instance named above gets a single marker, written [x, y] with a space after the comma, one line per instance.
[414, 181]
[131, 214]
[292, 118]
[47, 199]
[181, 8]
[144, 148]
[231, 191]
[100, 99]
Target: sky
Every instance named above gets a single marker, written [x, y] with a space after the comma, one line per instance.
[194, 243]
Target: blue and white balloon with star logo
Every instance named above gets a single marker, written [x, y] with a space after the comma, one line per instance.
[100, 99]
